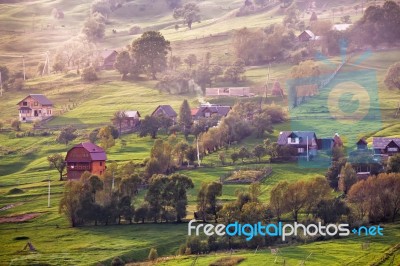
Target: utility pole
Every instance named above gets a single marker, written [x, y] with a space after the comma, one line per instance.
[48, 196]
[1, 85]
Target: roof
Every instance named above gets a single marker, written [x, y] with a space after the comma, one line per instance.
[362, 141]
[214, 109]
[381, 143]
[133, 114]
[24, 108]
[107, 53]
[43, 100]
[166, 109]
[341, 27]
[96, 153]
[302, 135]
[194, 111]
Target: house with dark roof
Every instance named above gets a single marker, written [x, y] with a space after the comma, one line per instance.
[83, 157]
[208, 111]
[108, 59]
[386, 146]
[307, 36]
[362, 144]
[35, 107]
[130, 121]
[167, 111]
[303, 141]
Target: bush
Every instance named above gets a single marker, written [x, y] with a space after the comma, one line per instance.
[89, 74]
[227, 261]
[135, 30]
[117, 262]
[15, 191]
[153, 255]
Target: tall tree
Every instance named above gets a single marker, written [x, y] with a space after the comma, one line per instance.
[57, 161]
[149, 126]
[118, 118]
[150, 52]
[176, 193]
[190, 13]
[185, 118]
[69, 203]
[123, 64]
[348, 177]
[155, 195]
[207, 199]
[277, 200]
[106, 138]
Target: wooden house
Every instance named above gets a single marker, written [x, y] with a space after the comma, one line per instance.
[208, 111]
[386, 146]
[167, 111]
[108, 59]
[35, 107]
[303, 141]
[130, 121]
[362, 144]
[85, 157]
[307, 36]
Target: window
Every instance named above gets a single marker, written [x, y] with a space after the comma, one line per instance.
[293, 140]
[394, 149]
[300, 150]
[25, 103]
[35, 103]
[101, 163]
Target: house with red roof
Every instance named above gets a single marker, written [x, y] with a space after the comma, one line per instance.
[35, 107]
[83, 157]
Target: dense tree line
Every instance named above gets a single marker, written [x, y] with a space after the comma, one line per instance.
[95, 200]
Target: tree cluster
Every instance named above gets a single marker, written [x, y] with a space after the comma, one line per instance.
[94, 199]
[146, 55]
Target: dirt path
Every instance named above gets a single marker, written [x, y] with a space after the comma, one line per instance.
[19, 218]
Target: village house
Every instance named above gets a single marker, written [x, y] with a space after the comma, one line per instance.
[130, 121]
[85, 157]
[362, 144]
[307, 143]
[108, 59]
[210, 110]
[35, 107]
[307, 36]
[385, 146]
[229, 91]
[167, 111]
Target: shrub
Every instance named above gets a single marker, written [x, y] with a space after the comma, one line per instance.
[89, 74]
[15, 191]
[153, 255]
[117, 262]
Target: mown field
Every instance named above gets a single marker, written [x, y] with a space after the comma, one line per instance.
[27, 28]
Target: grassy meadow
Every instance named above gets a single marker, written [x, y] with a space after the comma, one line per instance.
[27, 28]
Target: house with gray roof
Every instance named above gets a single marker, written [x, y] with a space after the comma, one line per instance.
[385, 146]
[167, 111]
[35, 107]
[211, 110]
